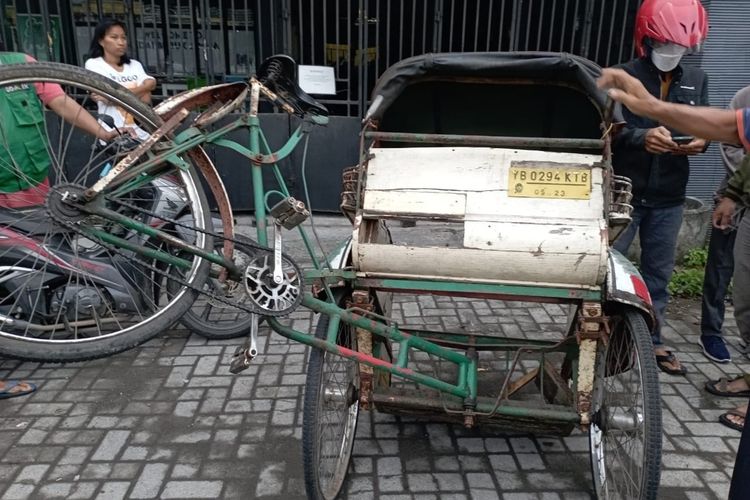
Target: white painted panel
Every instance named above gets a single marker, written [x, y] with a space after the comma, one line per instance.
[480, 265]
[448, 205]
[395, 176]
[537, 238]
[442, 168]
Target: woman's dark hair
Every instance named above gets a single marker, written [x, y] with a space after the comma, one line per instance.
[104, 25]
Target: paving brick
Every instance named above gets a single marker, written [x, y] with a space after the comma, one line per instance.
[150, 481]
[271, 480]
[18, 491]
[113, 490]
[192, 489]
[111, 445]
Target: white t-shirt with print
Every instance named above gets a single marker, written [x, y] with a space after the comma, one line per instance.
[131, 76]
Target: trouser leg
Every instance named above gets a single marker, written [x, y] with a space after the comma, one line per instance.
[719, 267]
[741, 286]
[658, 232]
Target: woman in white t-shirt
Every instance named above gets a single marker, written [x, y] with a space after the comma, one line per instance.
[109, 57]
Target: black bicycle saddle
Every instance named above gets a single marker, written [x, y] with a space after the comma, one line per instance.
[279, 73]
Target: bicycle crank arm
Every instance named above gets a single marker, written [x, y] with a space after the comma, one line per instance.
[278, 275]
[247, 352]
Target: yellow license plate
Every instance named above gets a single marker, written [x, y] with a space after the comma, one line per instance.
[539, 181]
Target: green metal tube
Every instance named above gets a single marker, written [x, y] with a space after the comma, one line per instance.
[285, 190]
[454, 288]
[333, 329]
[383, 330]
[472, 379]
[462, 375]
[257, 177]
[156, 233]
[403, 354]
[141, 250]
[367, 360]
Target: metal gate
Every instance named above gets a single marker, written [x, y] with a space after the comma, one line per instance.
[185, 43]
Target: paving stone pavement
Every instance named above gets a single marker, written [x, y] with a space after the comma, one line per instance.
[167, 420]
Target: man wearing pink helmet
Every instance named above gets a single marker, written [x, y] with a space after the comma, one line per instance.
[654, 156]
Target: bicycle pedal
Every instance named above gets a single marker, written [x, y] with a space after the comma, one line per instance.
[240, 360]
[290, 213]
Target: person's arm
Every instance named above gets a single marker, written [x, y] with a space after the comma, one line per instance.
[143, 91]
[146, 83]
[699, 121]
[74, 114]
[736, 188]
[655, 139]
[698, 145]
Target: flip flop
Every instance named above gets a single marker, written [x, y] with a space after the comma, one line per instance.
[719, 388]
[10, 384]
[724, 419]
[669, 358]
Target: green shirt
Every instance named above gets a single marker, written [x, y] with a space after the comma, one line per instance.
[24, 150]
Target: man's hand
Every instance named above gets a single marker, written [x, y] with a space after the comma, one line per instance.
[108, 135]
[694, 147]
[627, 90]
[659, 140]
[722, 216]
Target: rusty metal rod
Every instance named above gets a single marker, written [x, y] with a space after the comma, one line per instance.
[487, 140]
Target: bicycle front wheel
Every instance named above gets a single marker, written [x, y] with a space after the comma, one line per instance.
[67, 291]
[331, 410]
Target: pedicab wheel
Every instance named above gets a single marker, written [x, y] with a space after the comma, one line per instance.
[330, 415]
[625, 434]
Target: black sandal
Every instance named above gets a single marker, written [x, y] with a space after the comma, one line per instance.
[663, 359]
[724, 419]
[719, 388]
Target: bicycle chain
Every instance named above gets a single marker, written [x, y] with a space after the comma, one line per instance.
[260, 248]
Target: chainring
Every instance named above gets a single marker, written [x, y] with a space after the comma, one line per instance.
[278, 299]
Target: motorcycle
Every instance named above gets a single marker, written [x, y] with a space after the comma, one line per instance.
[63, 287]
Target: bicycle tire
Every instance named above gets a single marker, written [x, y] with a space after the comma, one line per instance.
[319, 484]
[118, 317]
[221, 321]
[626, 372]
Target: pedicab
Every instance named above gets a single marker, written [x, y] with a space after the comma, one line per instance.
[512, 149]
[515, 150]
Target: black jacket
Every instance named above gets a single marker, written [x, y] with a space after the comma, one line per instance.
[659, 180]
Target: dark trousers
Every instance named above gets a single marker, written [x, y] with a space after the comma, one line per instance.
[740, 489]
[658, 229]
[719, 267]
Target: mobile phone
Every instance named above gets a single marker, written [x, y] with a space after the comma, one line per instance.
[682, 139]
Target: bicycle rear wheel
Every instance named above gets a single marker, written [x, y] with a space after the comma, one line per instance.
[66, 294]
[221, 319]
[625, 434]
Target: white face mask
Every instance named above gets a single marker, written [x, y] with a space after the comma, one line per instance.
[666, 57]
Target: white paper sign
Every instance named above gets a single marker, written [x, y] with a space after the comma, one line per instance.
[317, 79]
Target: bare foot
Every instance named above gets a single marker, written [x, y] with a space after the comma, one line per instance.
[738, 385]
